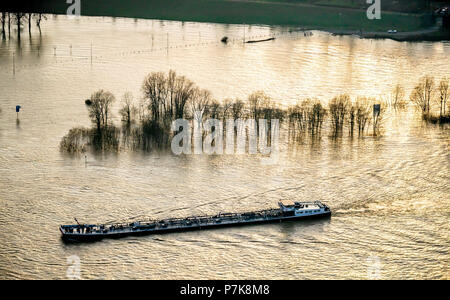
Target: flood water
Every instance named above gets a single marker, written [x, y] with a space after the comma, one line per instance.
[389, 195]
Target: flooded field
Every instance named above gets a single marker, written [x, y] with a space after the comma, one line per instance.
[389, 194]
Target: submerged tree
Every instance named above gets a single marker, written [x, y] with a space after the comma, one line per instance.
[256, 102]
[167, 96]
[128, 110]
[39, 17]
[18, 19]
[316, 114]
[29, 16]
[363, 111]
[443, 95]
[200, 104]
[422, 94]
[3, 22]
[352, 118]
[338, 109]
[99, 110]
[398, 97]
[237, 109]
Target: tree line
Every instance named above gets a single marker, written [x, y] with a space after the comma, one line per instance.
[17, 19]
[428, 93]
[146, 124]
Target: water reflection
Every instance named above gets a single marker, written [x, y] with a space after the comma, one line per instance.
[389, 194]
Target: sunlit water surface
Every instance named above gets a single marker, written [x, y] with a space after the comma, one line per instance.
[389, 195]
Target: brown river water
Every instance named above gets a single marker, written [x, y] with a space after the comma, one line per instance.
[390, 195]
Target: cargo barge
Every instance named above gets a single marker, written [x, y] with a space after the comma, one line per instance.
[259, 41]
[289, 212]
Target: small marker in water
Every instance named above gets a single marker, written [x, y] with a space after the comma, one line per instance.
[18, 107]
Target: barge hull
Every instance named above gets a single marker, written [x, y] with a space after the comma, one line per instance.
[115, 235]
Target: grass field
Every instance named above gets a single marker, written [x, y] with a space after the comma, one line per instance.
[270, 12]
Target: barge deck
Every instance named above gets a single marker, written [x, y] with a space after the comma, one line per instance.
[93, 232]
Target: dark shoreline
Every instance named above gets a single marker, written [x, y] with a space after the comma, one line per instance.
[336, 20]
[431, 35]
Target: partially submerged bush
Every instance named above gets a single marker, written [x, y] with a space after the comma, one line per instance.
[80, 140]
[76, 141]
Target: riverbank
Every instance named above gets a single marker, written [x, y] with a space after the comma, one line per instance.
[431, 34]
[327, 18]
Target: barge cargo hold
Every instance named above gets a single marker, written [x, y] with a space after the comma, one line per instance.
[295, 211]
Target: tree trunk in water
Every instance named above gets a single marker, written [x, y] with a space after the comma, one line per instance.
[18, 25]
[9, 25]
[3, 25]
[29, 23]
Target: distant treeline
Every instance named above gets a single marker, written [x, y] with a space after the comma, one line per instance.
[326, 15]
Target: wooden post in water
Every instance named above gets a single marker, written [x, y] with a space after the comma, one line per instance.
[91, 53]
[14, 63]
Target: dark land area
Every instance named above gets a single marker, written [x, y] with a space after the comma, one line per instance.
[413, 20]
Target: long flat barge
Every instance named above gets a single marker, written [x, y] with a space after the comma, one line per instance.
[295, 211]
[259, 41]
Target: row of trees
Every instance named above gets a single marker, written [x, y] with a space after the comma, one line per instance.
[427, 92]
[309, 116]
[9, 19]
[166, 97]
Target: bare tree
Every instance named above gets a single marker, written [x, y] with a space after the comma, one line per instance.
[215, 109]
[256, 101]
[99, 110]
[18, 19]
[183, 91]
[316, 116]
[226, 108]
[237, 109]
[9, 25]
[444, 94]
[352, 118]
[398, 97]
[29, 16]
[155, 91]
[128, 110]
[363, 110]
[3, 21]
[200, 103]
[298, 115]
[422, 94]
[39, 17]
[338, 109]
[167, 96]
